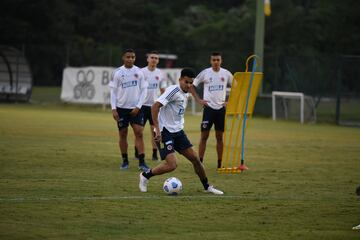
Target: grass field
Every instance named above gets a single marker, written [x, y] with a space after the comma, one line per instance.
[60, 179]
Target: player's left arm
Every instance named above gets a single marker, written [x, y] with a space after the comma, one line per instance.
[228, 84]
[230, 79]
[155, 108]
[163, 83]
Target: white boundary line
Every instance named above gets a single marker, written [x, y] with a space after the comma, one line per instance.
[150, 197]
[47, 179]
[111, 198]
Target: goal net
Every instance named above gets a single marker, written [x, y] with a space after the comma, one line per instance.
[293, 106]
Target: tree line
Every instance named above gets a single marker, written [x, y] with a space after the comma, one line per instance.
[50, 30]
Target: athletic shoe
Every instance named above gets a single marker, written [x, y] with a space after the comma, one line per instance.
[213, 190]
[143, 167]
[356, 227]
[143, 182]
[124, 166]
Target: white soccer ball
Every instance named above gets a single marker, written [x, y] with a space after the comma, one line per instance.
[172, 186]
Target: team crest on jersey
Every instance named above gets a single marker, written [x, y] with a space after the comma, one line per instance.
[136, 76]
[210, 80]
[222, 79]
[157, 78]
[169, 147]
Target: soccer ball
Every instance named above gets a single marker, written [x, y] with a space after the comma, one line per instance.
[172, 186]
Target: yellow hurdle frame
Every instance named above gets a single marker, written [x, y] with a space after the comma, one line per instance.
[244, 91]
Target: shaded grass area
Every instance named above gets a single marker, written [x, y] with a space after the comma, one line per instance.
[60, 180]
[45, 95]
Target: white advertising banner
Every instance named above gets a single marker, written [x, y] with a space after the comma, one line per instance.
[90, 84]
[86, 85]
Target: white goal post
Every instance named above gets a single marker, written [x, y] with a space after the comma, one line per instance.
[297, 95]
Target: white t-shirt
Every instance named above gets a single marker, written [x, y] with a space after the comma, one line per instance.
[155, 81]
[130, 87]
[171, 115]
[215, 84]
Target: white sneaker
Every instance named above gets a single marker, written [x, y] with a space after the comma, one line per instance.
[213, 190]
[143, 183]
[356, 227]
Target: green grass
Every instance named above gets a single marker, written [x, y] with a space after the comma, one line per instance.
[60, 180]
[45, 95]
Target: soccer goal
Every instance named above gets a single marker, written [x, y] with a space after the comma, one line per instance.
[293, 105]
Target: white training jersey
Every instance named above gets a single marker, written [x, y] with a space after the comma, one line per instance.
[129, 85]
[171, 115]
[215, 84]
[155, 80]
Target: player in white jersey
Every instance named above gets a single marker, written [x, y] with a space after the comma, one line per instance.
[215, 80]
[168, 117]
[128, 89]
[357, 193]
[156, 81]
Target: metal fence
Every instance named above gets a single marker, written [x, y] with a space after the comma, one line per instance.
[332, 81]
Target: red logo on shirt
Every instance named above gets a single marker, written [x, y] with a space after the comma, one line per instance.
[156, 77]
[222, 79]
[136, 76]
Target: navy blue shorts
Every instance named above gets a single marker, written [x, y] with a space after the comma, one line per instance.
[147, 114]
[213, 116]
[172, 142]
[126, 118]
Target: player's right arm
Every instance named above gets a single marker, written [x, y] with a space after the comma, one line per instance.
[113, 95]
[113, 104]
[199, 79]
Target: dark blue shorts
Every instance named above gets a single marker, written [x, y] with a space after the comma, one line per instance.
[126, 118]
[213, 116]
[172, 142]
[147, 114]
